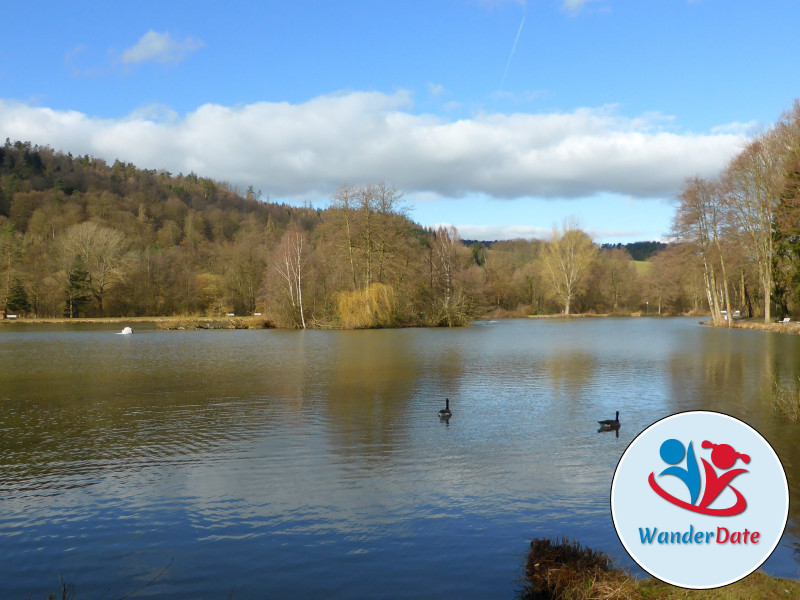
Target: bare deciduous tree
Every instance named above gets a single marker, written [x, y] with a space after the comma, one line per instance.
[9, 256]
[755, 180]
[701, 221]
[290, 265]
[102, 251]
[373, 229]
[446, 258]
[567, 257]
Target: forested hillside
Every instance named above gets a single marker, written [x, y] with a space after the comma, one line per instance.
[79, 237]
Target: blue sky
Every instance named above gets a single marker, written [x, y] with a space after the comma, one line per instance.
[502, 117]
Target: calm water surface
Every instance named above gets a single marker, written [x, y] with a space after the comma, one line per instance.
[283, 464]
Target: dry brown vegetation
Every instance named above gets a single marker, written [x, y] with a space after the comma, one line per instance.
[785, 398]
[565, 570]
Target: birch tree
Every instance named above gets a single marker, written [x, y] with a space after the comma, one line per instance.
[446, 257]
[290, 266]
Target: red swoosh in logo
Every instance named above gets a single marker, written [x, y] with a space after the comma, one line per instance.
[737, 508]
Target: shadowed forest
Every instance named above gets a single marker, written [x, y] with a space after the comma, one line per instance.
[80, 237]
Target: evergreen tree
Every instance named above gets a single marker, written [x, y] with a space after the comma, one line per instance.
[18, 299]
[79, 289]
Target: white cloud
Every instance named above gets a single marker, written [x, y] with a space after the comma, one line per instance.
[737, 128]
[574, 5]
[501, 232]
[307, 150]
[435, 89]
[159, 47]
[530, 232]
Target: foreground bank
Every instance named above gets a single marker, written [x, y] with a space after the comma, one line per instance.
[565, 570]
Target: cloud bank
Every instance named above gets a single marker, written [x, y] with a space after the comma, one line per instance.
[307, 150]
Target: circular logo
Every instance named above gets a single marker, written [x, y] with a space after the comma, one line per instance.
[699, 499]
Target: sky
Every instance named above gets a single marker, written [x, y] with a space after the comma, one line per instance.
[501, 117]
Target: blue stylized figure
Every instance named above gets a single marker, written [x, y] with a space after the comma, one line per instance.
[672, 452]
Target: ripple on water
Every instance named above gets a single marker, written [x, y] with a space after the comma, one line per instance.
[288, 464]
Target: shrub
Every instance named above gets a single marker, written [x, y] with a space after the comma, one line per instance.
[566, 570]
[373, 307]
[786, 398]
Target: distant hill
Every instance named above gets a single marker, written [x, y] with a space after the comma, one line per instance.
[640, 251]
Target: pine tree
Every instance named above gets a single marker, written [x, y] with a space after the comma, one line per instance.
[78, 289]
[18, 299]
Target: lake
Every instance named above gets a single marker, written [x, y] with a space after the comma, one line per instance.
[306, 464]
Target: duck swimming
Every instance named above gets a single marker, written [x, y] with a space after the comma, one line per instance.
[445, 412]
[610, 423]
[125, 331]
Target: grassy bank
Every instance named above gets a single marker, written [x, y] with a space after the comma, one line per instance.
[160, 322]
[791, 327]
[566, 570]
[216, 323]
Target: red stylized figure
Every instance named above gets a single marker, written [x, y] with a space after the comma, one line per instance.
[724, 457]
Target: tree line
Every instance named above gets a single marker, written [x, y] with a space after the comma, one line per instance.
[80, 237]
[741, 229]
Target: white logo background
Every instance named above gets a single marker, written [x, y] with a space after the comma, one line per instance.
[635, 505]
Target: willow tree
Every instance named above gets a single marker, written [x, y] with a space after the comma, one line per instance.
[568, 258]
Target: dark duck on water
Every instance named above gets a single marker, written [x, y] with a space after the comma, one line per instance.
[445, 412]
[610, 424]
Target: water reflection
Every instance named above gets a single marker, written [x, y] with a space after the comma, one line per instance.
[366, 393]
[570, 372]
[733, 372]
[614, 430]
[298, 463]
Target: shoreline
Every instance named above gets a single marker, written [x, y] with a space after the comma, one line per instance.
[173, 322]
[260, 322]
[793, 327]
[565, 570]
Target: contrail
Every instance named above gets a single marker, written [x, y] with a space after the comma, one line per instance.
[510, 56]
